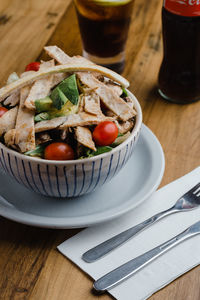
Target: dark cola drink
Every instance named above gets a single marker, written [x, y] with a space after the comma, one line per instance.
[179, 76]
[104, 28]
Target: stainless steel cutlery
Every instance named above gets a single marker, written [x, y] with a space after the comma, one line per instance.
[188, 201]
[131, 267]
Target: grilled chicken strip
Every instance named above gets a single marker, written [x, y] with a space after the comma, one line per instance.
[8, 120]
[124, 127]
[74, 120]
[67, 68]
[108, 96]
[25, 130]
[83, 119]
[92, 104]
[41, 87]
[49, 124]
[84, 137]
[13, 99]
[9, 138]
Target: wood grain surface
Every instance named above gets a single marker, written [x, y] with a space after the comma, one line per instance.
[30, 266]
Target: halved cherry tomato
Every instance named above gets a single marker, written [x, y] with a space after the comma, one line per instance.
[33, 66]
[105, 133]
[3, 110]
[59, 151]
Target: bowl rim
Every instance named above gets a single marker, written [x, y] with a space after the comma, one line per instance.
[134, 132]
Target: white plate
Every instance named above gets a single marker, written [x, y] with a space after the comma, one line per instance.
[135, 183]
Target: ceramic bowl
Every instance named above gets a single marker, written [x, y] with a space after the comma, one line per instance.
[70, 178]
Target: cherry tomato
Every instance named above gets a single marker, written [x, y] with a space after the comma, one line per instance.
[58, 151]
[33, 66]
[105, 133]
[3, 110]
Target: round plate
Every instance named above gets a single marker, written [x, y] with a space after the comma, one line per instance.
[135, 182]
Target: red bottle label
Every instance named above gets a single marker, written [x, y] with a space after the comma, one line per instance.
[188, 8]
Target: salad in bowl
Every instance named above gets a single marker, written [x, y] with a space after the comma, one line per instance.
[65, 113]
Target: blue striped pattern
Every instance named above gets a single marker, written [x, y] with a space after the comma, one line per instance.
[65, 180]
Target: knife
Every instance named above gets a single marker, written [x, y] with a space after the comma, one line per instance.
[128, 269]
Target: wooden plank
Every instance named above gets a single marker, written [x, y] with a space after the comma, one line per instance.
[25, 27]
[31, 268]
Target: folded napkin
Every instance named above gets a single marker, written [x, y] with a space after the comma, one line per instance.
[164, 269]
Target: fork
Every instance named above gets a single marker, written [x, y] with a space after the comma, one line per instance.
[188, 201]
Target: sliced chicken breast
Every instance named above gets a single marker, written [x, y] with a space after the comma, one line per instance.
[41, 87]
[84, 137]
[49, 124]
[8, 120]
[83, 119]
[108, 96]
[25, 130]
[92, 104]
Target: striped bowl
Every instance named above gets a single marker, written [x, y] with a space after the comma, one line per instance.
[70, 178]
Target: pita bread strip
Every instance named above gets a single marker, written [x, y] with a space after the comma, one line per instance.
[41, 87]
[25, 130]
[8, 89]
[8, 120]
[84, 137]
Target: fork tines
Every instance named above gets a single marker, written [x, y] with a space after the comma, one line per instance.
[196, 189]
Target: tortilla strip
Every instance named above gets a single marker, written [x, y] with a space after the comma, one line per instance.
[62, 58]
[25, 131]
[41, 87]
[13, 99]
[8, 120]
[83, 119]
[92, 104]
[108, 96]
[109, 93]
[49, 124]
[70, 67]
[84, 137]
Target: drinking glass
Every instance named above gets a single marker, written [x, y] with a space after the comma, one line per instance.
[104, 26]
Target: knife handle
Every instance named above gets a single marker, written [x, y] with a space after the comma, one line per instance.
[117, 240]
[128, 269]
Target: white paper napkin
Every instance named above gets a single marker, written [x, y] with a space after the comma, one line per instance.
[164, 269]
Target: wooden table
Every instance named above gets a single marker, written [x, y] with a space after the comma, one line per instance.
[30, 266]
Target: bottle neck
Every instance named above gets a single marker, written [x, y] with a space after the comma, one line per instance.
[187, 8]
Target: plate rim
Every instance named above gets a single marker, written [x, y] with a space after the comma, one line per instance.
[77, 222]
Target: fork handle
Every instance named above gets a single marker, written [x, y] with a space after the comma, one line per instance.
[114, 242]
[131, 267]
